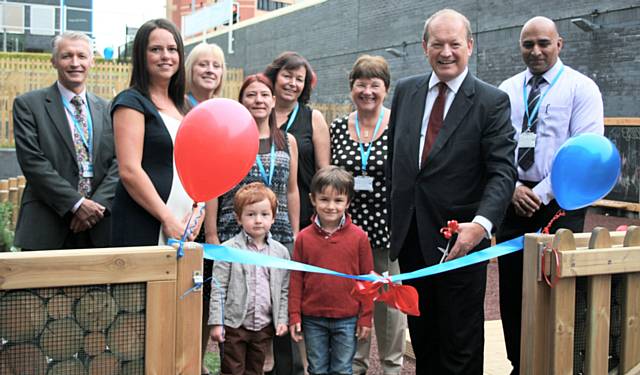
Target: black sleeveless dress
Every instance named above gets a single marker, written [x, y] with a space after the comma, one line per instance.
[132, 225]
[302, 130]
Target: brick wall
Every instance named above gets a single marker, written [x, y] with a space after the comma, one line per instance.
[332, 34]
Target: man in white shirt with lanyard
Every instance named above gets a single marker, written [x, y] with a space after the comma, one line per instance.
[550, 103]
[64, 144]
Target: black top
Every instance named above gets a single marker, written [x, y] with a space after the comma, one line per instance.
[132, 224]
[302, 130]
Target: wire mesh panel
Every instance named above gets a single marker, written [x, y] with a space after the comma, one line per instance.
[580, 332]
[88, 330]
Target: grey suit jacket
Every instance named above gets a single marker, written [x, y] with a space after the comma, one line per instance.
[469, 171]
[45, 151]
[233, 285]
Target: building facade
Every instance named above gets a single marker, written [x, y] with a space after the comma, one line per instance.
[244, 9]
[28, 26]
[331, 34]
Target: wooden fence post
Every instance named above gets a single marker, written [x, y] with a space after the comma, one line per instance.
[4, 190]
[563, 297]
[598, 305]
[13, 198]
[630, 351]
[189, 312]
[534, 338]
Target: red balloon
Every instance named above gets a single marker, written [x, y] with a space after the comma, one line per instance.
[216, 146]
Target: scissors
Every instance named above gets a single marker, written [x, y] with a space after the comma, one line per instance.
[449, 232]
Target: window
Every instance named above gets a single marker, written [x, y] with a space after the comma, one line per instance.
[270, 5]
[42, 20]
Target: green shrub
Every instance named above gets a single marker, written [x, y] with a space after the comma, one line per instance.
[6, 234]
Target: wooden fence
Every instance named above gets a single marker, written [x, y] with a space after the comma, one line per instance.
[20, 73]
[73, 296]
[549, 323]
[333, 111]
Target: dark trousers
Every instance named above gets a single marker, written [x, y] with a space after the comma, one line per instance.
[244, 350]
[81, 240]
[510, 267]
[286, 356]
[448, 336]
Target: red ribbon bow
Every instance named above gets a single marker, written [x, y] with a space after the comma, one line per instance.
[450, 229]
[400, 297]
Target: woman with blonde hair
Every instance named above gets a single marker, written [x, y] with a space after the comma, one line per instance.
[204, 72]
[205, 69]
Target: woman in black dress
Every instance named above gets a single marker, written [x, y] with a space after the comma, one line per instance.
[151, 204]
[291, 76]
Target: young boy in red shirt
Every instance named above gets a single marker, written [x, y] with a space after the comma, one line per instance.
[321, 306]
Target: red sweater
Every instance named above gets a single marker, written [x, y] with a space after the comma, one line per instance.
[348, 251]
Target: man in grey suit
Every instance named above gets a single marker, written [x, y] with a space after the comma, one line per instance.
[64, 144]
[451, 156]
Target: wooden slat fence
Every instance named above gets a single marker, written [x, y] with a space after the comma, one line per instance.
[600, 270]
[20, 73]
[333, 111]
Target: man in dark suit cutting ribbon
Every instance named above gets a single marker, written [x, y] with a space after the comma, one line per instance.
[451, 157]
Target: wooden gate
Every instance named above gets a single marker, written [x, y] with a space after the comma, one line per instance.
[549, 325]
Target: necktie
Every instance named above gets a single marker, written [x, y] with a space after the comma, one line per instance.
[526, 154]
[435, 121]
[82, 152]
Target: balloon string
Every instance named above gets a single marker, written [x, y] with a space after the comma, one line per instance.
[189, 228]
[558, 215]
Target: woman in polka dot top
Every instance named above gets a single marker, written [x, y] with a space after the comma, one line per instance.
[359, 144]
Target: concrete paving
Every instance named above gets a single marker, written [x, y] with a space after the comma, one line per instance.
[495, 353]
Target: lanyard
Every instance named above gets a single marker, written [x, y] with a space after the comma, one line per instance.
[364, 155]
[292, 118]
[272, 165]
[192, 100]
[537, 107]
[88, 143]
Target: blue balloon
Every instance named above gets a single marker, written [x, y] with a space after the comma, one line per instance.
[584, 170]
[108, 53]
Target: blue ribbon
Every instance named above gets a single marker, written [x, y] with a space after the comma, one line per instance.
[292, 117]
[272, 165]
[192, 100]
[534, 113]
[230, 254]
[364, 155]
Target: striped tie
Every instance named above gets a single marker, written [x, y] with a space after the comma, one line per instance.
[526, 154]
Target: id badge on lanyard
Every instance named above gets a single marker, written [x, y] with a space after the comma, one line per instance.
[527, 140]
[87, 169]
[363, 183]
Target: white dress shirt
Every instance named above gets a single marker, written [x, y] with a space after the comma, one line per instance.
[572, 106]
[453, 87]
